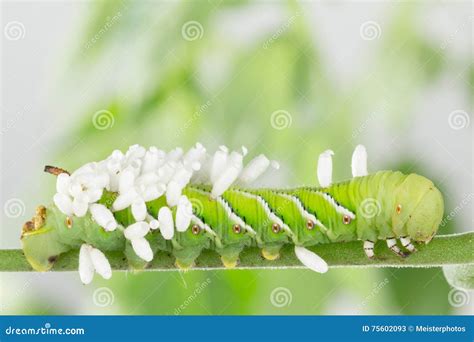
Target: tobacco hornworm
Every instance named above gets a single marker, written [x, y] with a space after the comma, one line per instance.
[148, 200]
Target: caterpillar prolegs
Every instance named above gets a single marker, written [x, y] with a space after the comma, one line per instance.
[148, 200]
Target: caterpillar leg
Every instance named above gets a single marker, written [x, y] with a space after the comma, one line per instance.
[392, 244]
[230, 255]
[185, 257]
[369, 249]
[271, 253]
[406, 243]
[229, 262]
[183, 265]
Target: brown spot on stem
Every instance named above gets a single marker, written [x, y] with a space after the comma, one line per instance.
[53, 258]
[54, 170]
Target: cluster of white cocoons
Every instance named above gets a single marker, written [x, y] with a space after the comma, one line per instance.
[142, 175]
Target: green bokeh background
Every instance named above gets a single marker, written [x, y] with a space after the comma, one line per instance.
[168, 91]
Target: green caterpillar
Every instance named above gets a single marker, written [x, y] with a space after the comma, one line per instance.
[190, 214]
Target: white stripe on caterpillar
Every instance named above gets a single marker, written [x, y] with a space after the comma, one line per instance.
[307, 215]
[271, 215]
[234, 217]
[202, 225]
[338, 207]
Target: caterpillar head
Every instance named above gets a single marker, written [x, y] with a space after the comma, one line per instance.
[418, 209]
[40, 241]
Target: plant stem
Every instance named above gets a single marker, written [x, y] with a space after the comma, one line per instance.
[456, 249]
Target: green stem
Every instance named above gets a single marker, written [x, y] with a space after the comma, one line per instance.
[444, 250]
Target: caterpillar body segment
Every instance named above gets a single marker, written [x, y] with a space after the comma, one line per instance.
[60, 233]
[256, 212]
[230, 236]
[386, 205]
